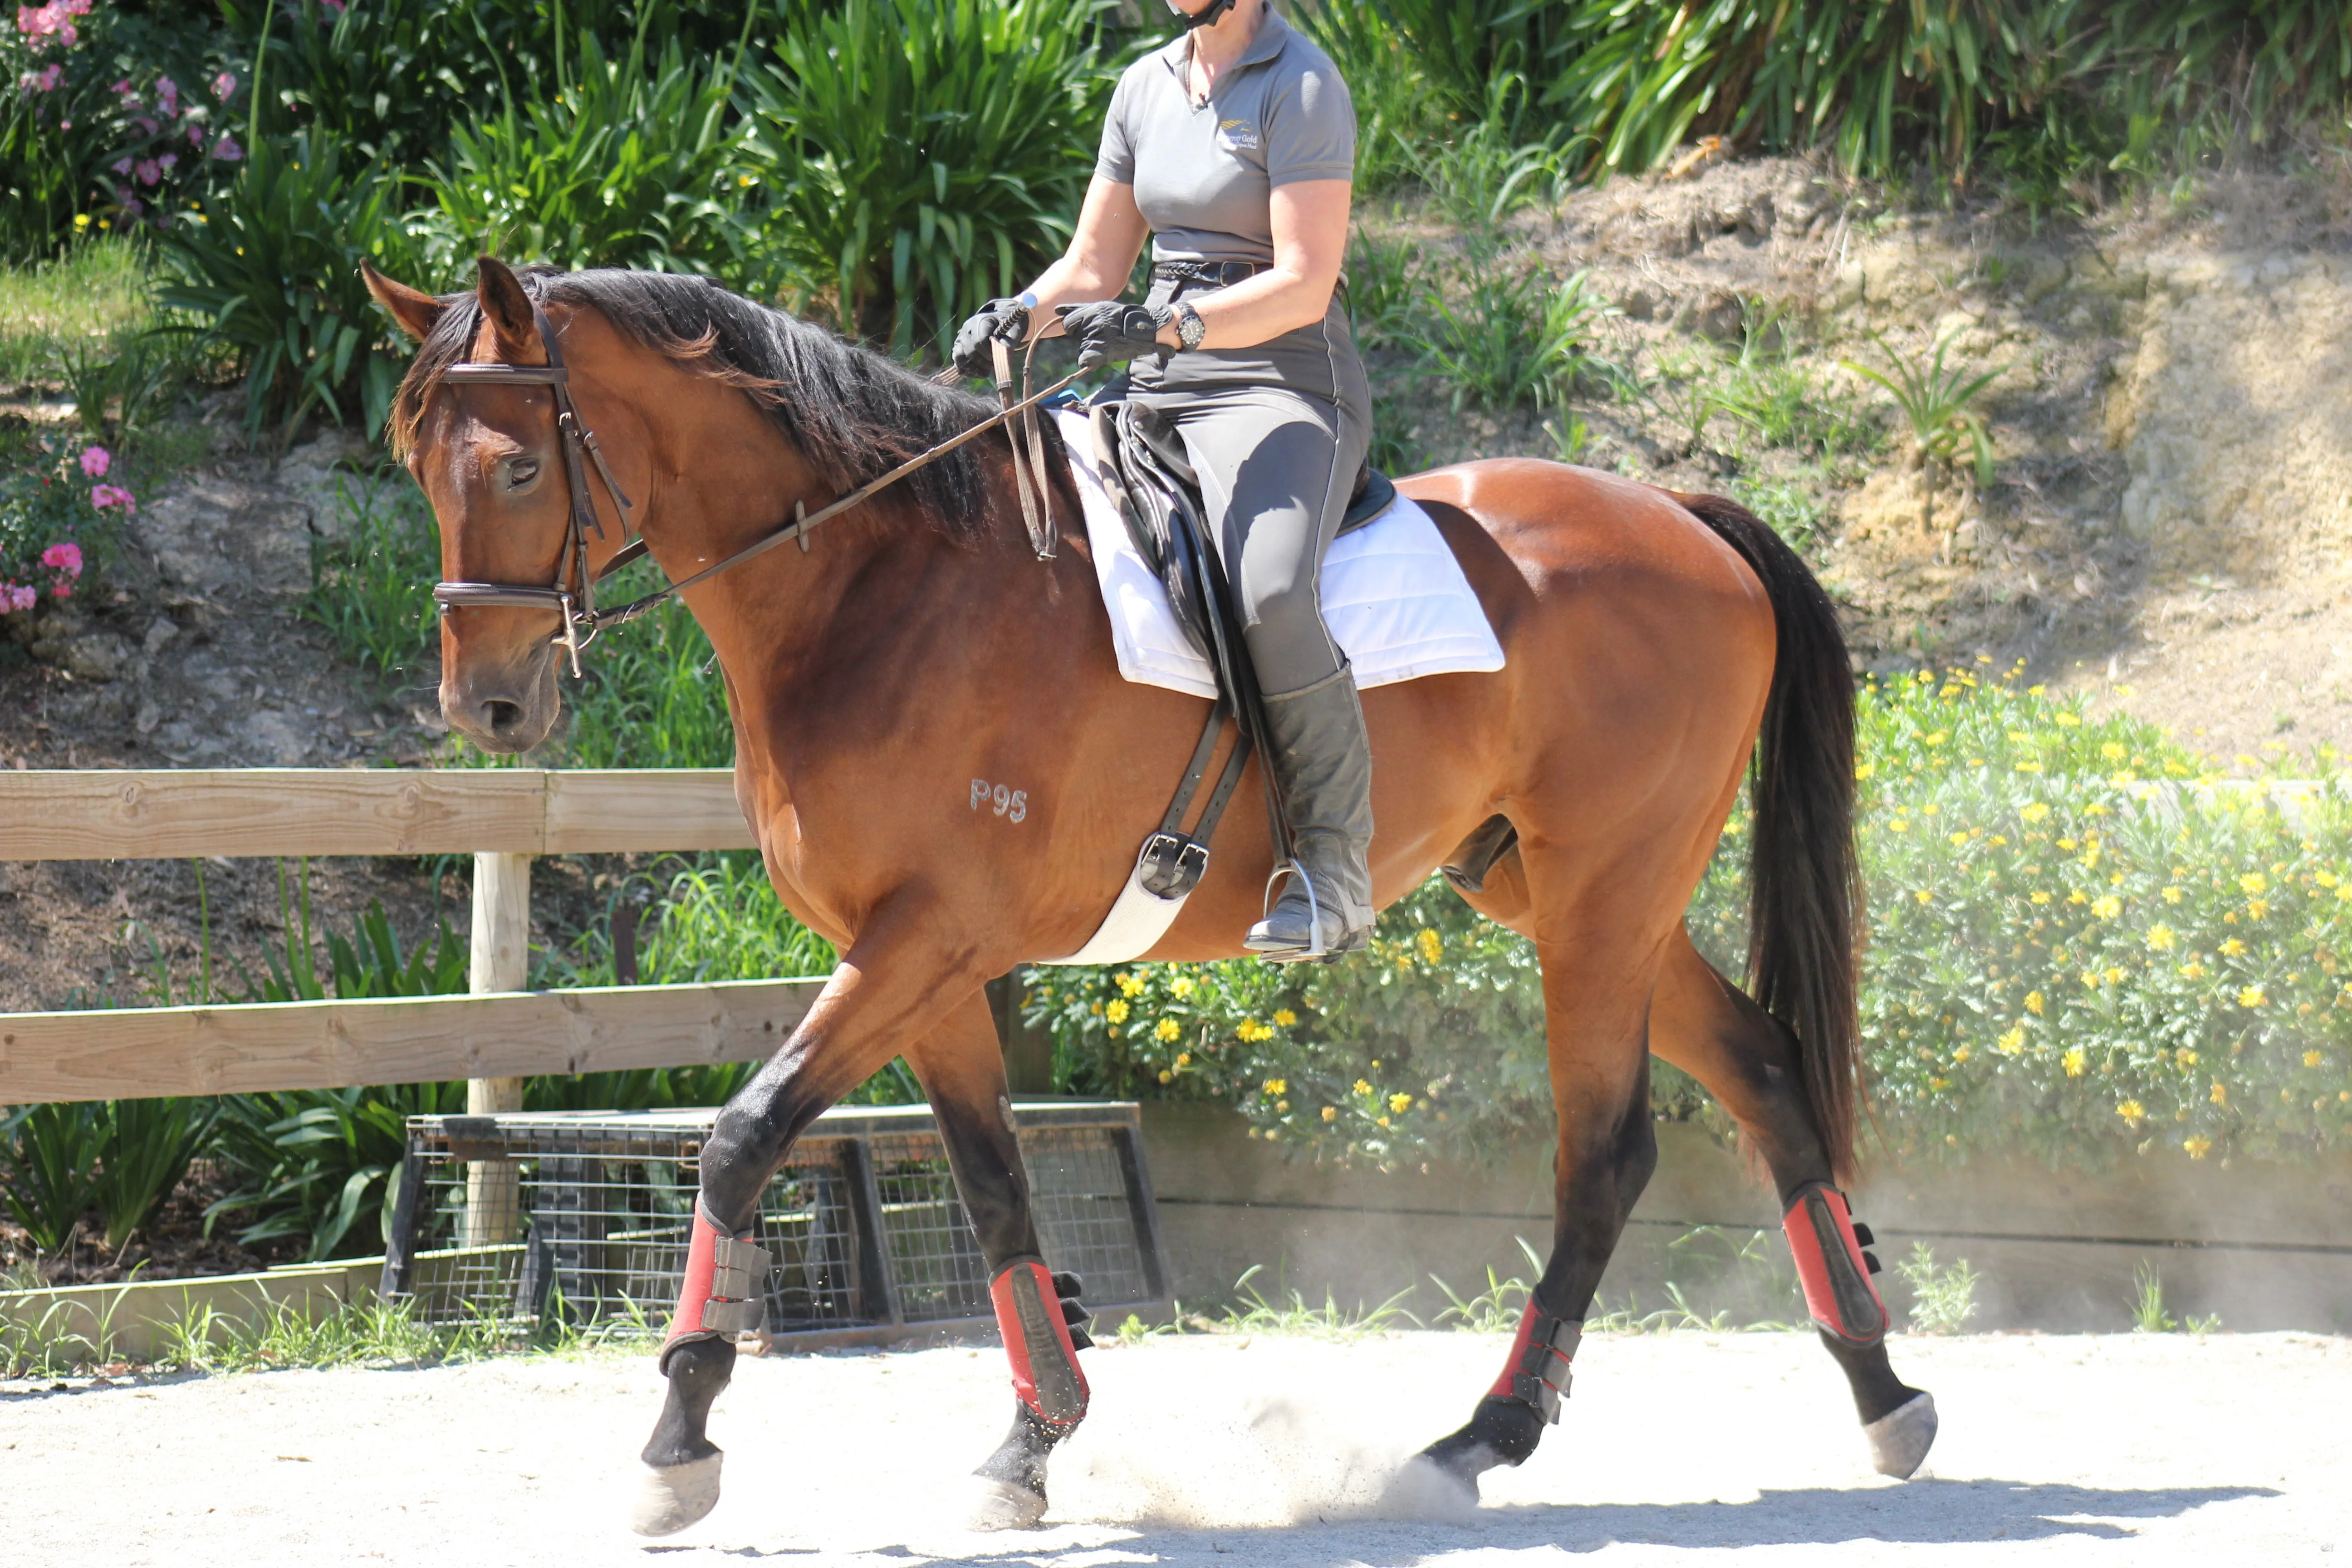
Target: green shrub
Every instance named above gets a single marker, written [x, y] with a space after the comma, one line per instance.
[1502, 333]
[121, 1158]
[272, 273]
[372, 579]
[321, 1166]
[916, 157]
[2083, 943]
[631, 164]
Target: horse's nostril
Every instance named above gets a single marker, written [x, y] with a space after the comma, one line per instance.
[501, 715]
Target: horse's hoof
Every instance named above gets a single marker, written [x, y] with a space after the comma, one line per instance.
[671, 1497]
[1900, 1439]
[1004, 1505]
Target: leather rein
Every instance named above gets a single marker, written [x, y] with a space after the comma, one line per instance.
[572, 593]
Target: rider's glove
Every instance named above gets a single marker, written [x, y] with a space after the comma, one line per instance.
[1108, 332]
[1006, 318]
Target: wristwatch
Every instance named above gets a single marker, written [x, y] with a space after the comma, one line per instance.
[1190, 329]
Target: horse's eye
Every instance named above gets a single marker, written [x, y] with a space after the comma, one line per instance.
[520, 472]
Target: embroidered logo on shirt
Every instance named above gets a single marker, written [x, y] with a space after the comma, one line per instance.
[1236, 136]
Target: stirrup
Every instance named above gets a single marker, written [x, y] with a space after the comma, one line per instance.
[1315, 949]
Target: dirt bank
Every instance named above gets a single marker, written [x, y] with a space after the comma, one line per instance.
[1274, 1451]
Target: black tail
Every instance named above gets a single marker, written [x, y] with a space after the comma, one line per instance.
[1805, 880]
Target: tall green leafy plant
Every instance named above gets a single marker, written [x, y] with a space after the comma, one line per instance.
[630, 164]
[918, 156]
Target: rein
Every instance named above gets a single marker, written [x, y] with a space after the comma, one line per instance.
[582, 619]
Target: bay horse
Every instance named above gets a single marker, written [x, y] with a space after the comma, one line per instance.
[1653, 641]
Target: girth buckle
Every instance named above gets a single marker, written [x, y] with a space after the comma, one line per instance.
[1173, 864]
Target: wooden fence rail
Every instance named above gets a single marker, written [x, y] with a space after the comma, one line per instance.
[493, 1039]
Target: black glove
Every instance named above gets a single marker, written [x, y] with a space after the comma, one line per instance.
[1006, 318]
[1108, 332]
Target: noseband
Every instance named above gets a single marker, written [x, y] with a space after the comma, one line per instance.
[582, 620]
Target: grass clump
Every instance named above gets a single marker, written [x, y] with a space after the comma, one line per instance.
[96, 291]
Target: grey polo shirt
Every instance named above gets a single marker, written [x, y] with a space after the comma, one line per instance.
[1203, 177]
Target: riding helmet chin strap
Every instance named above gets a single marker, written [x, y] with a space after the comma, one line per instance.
[1835, 1270]
[1207, 16]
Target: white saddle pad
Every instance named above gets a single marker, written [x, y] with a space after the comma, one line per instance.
[1394, 595]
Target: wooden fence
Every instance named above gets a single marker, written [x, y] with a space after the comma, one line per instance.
[493, 1037]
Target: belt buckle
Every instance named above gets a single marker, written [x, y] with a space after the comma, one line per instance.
[1174, 864]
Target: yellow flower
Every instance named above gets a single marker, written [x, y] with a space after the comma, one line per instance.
[2160, 938]
[2220, 1093]
[2036, 812]
[2232, 948]
[2312, 1058]
[1167, 1077]
[2253, 882]
[1930, 809]
[2193, 970]
[1277, 1086]
[2106, 907]
[1924, 896]
[2131, 1110]
[2252, 996]
[2185, 1056]
[1282, 1108]
[2033, 1003]
[2068, 720]
[2171, 895]
[1962, 1054]
[1900, 824]
[2112, 751]
[2040, 897]
[1285, 1016]
[1249, 1031]
[1864, 769]
[2073, 1061]
[2013, 1043]
[2198, 1147]
[1130, 985]
[2036, 691]
[2258, 908]
[1937, 739]
[2115, 976]
[2067, 845]
[2078, 897]
[2326, 879]
[1362, 1088]
[1957, 839]
[1399, 1102]
[1181, 985]
[1167, 1030]
[1330, 1114]
[1183, 1058]
[1116, 1010]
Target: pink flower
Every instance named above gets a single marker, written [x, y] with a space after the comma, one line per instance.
[123, 165]
[96, 460]
[222, 85]
[104, 496]
[148, 172]
[167, 95]
[62, 591]
[65, 557]
[14, 596]
[146, 126]
[227, 151]
[132, 206]
[196, 137]
[169, 161]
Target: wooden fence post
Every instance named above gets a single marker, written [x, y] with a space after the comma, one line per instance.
[501, 961]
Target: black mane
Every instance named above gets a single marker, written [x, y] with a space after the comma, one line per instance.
[851, 412]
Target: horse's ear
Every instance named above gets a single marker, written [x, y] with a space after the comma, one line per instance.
[417, 311]
[508, 309]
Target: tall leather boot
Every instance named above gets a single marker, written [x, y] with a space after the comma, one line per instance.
[1323, 759]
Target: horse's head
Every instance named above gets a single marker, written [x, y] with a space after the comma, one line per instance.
[490, 456]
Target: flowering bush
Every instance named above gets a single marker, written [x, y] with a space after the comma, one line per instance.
[53, 520]
[2083, 941]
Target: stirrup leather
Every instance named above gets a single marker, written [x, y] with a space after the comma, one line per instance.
[725, 1288]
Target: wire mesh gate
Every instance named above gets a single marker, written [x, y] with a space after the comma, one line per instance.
[582, 1216]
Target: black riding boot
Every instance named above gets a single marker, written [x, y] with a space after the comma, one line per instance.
[1323, 759]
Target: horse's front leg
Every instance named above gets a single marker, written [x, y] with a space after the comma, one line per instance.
[861, 1020]
[962, 1070]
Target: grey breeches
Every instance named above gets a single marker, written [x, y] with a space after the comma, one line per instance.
[1277, 467]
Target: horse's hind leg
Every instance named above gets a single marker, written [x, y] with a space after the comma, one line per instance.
[1597, 984]
[963, 1073]
[1748, 1061]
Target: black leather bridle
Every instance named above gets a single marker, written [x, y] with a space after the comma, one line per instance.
[580, 617]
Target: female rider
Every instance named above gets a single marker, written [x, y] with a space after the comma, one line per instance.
[1233, 148]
